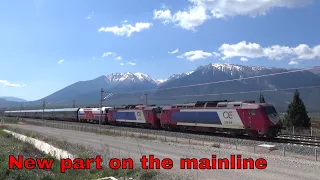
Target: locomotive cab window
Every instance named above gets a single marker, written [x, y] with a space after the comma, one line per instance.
[253, 112]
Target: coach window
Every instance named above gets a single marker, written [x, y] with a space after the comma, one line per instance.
[253, 112]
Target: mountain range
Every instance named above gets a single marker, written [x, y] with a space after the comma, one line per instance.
[218, 82]
[13, 99]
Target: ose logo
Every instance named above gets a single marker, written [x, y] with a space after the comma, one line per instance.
[138, 113]
[227, 115]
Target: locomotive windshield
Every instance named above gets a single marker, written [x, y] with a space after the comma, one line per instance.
[270, 110]
[157, 110]
[272, 114]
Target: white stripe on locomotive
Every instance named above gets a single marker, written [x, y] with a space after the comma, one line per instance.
[138, 114]
[229, 118]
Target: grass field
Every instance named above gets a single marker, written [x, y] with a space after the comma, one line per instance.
[12, 146]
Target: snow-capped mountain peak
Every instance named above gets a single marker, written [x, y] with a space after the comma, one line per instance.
[129, 76]
[234, 70]
[226, 66]
[236, 67]
[160, 81]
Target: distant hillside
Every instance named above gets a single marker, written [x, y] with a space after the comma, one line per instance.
[164, 92]
[316, 70]
[14, 99]
[7, 104]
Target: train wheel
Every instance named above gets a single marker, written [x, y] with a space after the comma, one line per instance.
[271, 134]
[254, 134]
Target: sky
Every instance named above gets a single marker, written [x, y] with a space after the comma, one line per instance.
[46, 45]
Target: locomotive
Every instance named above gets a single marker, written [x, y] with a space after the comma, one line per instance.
[237, 118]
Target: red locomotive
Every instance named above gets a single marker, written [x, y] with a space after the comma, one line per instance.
[237, 118]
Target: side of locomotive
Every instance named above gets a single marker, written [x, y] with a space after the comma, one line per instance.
[93, 115]
[135, 115]
[237, 118]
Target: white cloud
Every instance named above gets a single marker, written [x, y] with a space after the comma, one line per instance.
[173, 52]
[121, 64]
[253, 8]
[125, 21]
[8, 84]
[90, 15]
[126, 29]
[244, 59]
[60, 61]
[162, 14]
[197, 55]
[293, 62]
[303, 51]
[276, 52]
[108, 54]
[201, 10]
[132, 63]
[190, 19]
[215, 54]
[113, 54]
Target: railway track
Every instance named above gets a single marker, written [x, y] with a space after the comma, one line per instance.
[311, 141]
[299, 140]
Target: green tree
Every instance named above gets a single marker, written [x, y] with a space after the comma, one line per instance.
[297, 114]
[261, 99]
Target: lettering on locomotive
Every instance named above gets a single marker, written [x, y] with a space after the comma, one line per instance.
[227, 115]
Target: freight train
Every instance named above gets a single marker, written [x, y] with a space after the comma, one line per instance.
[237, 118]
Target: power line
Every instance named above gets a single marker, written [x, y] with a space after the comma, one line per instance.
[216, 82]
[245, 92]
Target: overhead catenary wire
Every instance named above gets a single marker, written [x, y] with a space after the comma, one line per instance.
[217, 82]
[245, 92]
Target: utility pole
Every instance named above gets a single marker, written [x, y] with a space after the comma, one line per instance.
[101, 99]
[146, 94]
[43, 106]
[74, 103]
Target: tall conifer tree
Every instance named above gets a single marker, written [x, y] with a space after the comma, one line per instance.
[297, 114]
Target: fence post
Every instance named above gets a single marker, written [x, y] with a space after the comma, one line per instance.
[292, 130]
[311, 131]
[284, 151]
[316, 154]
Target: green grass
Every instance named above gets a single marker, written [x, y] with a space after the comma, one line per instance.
[12, 146]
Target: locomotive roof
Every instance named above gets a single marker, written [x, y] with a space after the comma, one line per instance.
[46, 110]
[136, 107]
[217, 104]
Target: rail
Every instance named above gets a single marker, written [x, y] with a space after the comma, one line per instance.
[298, 140]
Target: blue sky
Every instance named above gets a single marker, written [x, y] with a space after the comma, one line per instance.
[38, 34]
